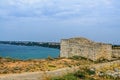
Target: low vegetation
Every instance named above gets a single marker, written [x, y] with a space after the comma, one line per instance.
[85, 74]
[9, 65]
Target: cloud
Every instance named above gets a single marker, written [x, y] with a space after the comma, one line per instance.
[78, 12]
[55, 19]
[50, 8]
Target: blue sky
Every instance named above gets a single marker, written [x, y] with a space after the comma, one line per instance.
[52, 20]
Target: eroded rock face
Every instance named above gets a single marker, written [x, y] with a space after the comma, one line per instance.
[85, 48]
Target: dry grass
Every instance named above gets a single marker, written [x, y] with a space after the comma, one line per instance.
[8, 65]
[18, 66]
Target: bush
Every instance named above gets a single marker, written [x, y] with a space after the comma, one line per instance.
[9, 59]
[80, 74]
[101, 60]
[80, 58]
[0, 57]
[52, 66]
[90, 72]
[50, 58]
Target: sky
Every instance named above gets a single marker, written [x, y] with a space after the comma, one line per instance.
[53, 20]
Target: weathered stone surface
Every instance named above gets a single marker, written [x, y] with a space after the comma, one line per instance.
[85, 48]
[116, 53]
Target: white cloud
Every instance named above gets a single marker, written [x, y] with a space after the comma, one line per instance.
[79, 16]
[50, 8]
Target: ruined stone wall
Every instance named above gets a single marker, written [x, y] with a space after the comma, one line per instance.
[85, 48]
[116, 53]
[64, 46]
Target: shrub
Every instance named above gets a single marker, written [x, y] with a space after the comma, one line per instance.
[80, 58]
[0, 57]
[80, 74]
[50, 58]
[52, 66]
[101, 60]
[67, 64]
[90, 72]
[9, 59]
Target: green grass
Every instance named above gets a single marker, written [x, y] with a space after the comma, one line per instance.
[66, 77]
[84, 74]
[75, 76]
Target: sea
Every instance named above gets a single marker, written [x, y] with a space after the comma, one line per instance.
[27, 52]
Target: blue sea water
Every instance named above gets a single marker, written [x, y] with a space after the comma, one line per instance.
[27, 52]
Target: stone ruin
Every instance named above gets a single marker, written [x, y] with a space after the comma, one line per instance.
[87, 48]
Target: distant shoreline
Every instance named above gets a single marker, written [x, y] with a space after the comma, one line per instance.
[55, 45]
